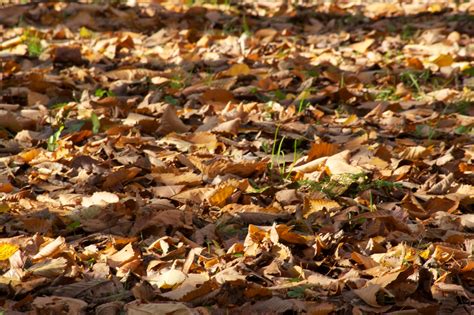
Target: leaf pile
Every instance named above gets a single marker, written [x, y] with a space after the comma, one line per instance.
[245, 158]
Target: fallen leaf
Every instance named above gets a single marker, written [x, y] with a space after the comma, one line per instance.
[170, 122]
[361, 47]
[51, 248]
[59, 304]
[443, 60]
[134, 308]
[7, 250]
[237, 69]
[191, 283]
[169, 279]
[220, 195]
[123, 256]
[369, 294]
[316, 205]
[337, 164]
[120, 176]
[321, 149]
[101, 199]
[217, 95]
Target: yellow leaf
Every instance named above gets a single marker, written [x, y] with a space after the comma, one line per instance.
[84, 32]
[443, 60]
[349, 120]
[238, 69]
[435, 7]
[29, 155]
[425, 254]
[6, 250]
[285, 234]
[220, 195]
[4, 208]
[316, 205]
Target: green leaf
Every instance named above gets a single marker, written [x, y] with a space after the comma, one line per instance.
[74, 225]
[103, 93]
[469, 71]
[74, 127]
[58, 105]
[279, 95]
[95, 123]
[33, 43]
[53, 139]
[296, 293]
[463, 130]
[171, 100]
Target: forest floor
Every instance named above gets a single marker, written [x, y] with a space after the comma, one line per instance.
[237, 158]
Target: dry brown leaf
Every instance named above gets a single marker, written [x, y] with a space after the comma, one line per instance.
[15, 122]
[237, 69]
[68, 54]
[230, 127]
[168, 279]
[267, 84]
[205, 140]
[108, 130]
[444, 254]
[337, 164]
[367, 262]
[221, 165]
[51, 248]
[467, 221]
[217, 96]
[49, 268]
[101, 198]
[136, 308]
[274, 305]
[37, 225]
[441, 204]
[311, 166]
[316, 205]
[170, 122]
[59, 305]
[123, 256]
[321, 149]
[325, 308]
[188, 178]
[196, 195]
[376, 10]
[285, 234]
[167, 191]
[6, 188]
[191, 283]
[361, 47]
[415, 63]
[369, 294]
[414, 153]
[120, 176]
[110, 308]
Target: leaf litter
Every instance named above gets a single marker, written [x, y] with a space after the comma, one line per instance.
[214, 157]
